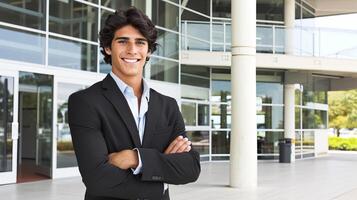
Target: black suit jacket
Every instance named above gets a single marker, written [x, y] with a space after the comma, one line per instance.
[101, 122]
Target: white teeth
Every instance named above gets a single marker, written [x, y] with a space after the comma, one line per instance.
[131, 60]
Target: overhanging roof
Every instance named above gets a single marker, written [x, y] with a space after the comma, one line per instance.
[333, 7]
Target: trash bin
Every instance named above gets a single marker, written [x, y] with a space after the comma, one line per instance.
[285, 150]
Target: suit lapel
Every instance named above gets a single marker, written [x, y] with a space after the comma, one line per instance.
[117, 99]
[151, 116]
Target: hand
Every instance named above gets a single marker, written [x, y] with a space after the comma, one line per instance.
[179, 145]
[124, 159]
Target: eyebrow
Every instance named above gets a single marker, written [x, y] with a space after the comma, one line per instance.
[127, 38]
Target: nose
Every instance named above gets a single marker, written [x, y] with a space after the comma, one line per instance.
[131, 48]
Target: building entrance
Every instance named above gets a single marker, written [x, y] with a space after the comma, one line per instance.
[35, 127]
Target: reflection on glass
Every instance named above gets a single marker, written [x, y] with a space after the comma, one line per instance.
[314, 119]
[168, 44]
[279, 40]
[221, 116]
[189, 113]
[298, 144]
[24, 13]
[104, 67]
[203, 114]
[271, 93]
[270, 117]
[6, 119]
[165, 15]
[221, 8]
[308, 143]
[221, 90]
[164, 70]
[268, 142]
[72, 54]
[265, 39]
[124, 4]
[104, 14]
[200, 141]
[195, 75]
[74, 19]
[220, 142]
[65, 153]
[297, 118]
[272, 10]
[202, 6]
[22, 46]
[36, 97]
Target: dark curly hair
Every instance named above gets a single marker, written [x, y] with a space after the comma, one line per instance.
[119, 19]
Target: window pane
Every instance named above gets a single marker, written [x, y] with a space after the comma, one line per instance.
[264, 39]
[221, 90]
[221, 8]
[270, 117]
[164, 70]
[308, 143]
[203, 115]
[221, 116]
[268, 142]
[220, 142]
[188, 111]
[65, 152]
[72, 54]
[74, 19]
[202, 6]
[270, 10]
[200, 141]
[195, 75]
[271, 93]
[22, 46]
[314, 119]
[124, 4]
[104, 67]
[168, 44]
[165, 15]
[6, 119]
[24, 13]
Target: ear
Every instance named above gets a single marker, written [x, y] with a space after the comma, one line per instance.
[148, 57]
[108, 50]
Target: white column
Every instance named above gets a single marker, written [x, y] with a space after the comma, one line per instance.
[243, 148]
[289, 20]
[289, 116]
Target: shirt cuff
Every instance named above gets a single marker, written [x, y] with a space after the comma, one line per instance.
[137, 170]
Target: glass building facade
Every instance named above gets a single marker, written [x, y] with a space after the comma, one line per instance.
[50, 49]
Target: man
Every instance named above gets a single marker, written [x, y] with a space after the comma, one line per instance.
[129, 140]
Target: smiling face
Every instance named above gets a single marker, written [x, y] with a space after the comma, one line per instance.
[129, 49]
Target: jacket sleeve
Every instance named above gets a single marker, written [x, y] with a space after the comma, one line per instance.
[100, 177]
[178, 168]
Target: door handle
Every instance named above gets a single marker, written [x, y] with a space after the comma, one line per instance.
[15, 130]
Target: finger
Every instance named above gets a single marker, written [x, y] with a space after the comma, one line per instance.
[183, 147]
[172, 144]
[188, 149]
[178, 145]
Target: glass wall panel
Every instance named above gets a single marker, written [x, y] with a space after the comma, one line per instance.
[298, 144]
[124, 4]
[221, 91]
[24, 13]
[200, 141]
[265, 39]
[104, 67]
[22, 45]
[308, 142]
[271, 93]
[314, 119]
[165, 15]
[221, 116]
[221, 8]
[72, 54]
[6, 119]
[279, 40]
[164, 70]
[65, 152]
[203, 114]
[103, 16]
[168, 44]
[202, 6]
[270, 117]
[218, 29]
[268, 142]
[188, 111]
[272, 10]
[74, 19]
[195, 75]
[220, 142]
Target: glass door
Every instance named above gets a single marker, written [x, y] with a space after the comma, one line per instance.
[36, 126]
[8, 126]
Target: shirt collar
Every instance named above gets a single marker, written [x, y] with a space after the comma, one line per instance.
[123, 86]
